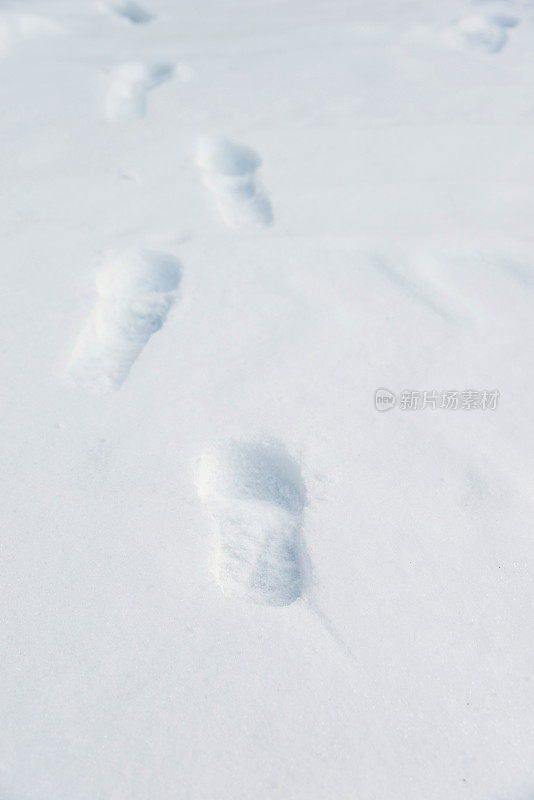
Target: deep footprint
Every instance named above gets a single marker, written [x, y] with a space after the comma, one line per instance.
[130, 11]
[254, 494]
[129, 85]
[229, 172]
[136, 291]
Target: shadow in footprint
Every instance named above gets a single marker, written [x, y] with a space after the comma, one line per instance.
[129, 10]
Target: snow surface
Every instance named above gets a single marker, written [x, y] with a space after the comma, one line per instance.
[395, 141]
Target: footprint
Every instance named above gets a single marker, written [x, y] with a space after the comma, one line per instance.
[254, 494]
[129, 10]
[486, 31]
[15, 28]
[129, 84]
[229, 172]
[136, 291]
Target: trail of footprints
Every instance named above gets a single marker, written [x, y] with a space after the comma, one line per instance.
[252, 491]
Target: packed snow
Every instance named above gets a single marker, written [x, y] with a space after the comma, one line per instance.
[267, 468]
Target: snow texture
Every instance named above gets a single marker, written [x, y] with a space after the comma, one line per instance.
[400, 255]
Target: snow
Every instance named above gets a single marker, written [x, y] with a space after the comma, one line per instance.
[397, 253]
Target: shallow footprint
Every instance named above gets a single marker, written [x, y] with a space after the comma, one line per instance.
[136, 290]
[254, 494]
[229, 172]
[129, 85]
[486, 31]
[129, 10]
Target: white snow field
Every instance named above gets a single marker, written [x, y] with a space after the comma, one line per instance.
[365, 631]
